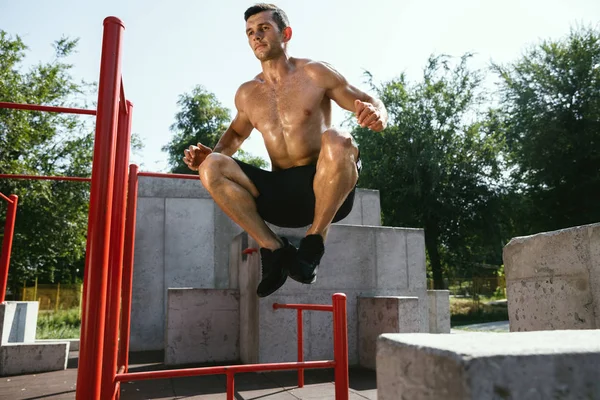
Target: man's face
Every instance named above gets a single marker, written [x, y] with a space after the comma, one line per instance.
[264, 36]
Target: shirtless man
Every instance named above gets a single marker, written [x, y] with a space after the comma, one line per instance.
[314, 166]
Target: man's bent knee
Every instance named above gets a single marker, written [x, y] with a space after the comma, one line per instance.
[212, 168]
[334, 142]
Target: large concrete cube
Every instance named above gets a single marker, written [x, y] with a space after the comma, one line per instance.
[384, 314]
[358, 261]
[553, 280]
[18, 321]
[486, 366]
[203, 325]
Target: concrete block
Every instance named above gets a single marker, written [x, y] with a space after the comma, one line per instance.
[366, 209]
[203, 325]
[18, 321]
[553, 280]
[439, 311]
[189, 247]
[29, 358]
[384, 314]
[482, 366]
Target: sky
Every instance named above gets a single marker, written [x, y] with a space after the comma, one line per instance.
[171, 46]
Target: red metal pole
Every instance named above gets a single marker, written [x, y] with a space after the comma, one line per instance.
[35, 107]
[230, 385]
[9, 230]
[126, 287]
[101, 196]
[117, 227]
[300, 348]
[340, 346]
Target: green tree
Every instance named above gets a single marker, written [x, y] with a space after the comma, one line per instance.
[201, 119]
[436, 164]
[51, 225]
[551, 113]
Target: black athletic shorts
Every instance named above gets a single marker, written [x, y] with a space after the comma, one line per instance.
[286, 198]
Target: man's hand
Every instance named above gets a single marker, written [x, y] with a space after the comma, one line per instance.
[195, 155]
[368, 116]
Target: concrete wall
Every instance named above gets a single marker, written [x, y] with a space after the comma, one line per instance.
[553, 280]
[486, 366]
[29, 358]
[358, 261]
[182, 240]
[203, 325]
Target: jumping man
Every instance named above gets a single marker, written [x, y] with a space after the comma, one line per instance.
[314, 166]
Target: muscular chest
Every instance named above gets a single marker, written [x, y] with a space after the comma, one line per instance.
[289, 104]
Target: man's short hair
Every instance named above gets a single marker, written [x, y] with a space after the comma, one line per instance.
[279, 15]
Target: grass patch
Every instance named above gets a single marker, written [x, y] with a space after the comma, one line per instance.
[62, 324]
[466, 311]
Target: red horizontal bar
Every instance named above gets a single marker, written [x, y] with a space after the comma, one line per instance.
[6, 198]
[309, 307]
[44, 178]
[35, 107]
[179, 373]
[174, 176]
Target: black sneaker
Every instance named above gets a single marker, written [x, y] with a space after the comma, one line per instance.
[275, 268]
[310, 251]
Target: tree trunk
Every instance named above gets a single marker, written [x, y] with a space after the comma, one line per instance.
[431, 244]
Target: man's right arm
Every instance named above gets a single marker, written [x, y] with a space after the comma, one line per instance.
[238, 131]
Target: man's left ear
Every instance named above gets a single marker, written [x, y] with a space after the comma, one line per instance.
[287, 34]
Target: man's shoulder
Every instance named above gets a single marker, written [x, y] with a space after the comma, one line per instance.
[322, 72]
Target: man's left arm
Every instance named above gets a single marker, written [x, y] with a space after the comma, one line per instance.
[370, 111]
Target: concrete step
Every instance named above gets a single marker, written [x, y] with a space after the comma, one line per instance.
[482, 366]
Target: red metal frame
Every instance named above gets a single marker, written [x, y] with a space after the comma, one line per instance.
[9, 230]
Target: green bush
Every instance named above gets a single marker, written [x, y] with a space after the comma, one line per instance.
[62, 324]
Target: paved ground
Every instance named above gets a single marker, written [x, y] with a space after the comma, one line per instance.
[268, 386]
[500, 326]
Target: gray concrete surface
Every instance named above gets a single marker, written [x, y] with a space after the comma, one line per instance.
[18, 321]
[384, 314]
[481, 366]
[553, 280]
[203, 325]
[439, 311]
[26, 358]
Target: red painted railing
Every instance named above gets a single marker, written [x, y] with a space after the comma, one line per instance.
[339, 363]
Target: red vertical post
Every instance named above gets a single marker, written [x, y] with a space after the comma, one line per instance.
[230, 386]
[99, 218]
[117, 228]
[300, 348]
[340, 346]
[126, 287]
[9, 230]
